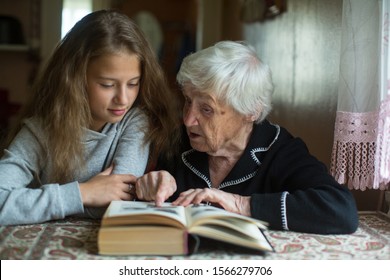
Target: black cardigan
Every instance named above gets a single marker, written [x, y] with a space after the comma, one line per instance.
[289, 188]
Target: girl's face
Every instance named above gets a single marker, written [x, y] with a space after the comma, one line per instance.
[113, 83]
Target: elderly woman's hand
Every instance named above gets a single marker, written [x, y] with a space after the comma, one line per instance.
[155, 186]
[230, 202]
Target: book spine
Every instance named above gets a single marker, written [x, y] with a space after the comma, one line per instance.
[186, 246]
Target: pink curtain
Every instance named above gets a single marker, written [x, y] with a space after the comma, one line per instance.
[361, 148]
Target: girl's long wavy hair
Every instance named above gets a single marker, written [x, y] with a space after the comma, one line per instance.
[60, 101]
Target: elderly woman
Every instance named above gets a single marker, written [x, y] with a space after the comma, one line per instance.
[233, 157]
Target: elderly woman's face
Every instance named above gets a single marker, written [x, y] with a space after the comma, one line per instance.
[212, 126]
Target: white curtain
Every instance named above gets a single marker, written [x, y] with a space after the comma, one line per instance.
[361, 148]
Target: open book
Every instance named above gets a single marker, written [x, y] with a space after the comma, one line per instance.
[141, 228]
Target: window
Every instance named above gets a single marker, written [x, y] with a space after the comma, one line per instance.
[73, 11]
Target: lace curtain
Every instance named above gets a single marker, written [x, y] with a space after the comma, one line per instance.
[361, 148]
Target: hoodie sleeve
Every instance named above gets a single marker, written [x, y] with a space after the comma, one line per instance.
[23, 200]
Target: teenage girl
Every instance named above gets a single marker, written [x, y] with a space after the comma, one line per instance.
[100, 110]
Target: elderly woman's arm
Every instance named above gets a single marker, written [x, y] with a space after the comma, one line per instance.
[300, 193]
[322, 210]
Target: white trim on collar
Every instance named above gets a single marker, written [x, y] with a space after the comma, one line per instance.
[264, 149]
[193, 169]
[232, 182]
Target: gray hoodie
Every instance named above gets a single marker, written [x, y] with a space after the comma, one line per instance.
[26, 195]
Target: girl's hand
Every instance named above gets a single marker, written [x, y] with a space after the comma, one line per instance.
[231, 202]
[104, 187]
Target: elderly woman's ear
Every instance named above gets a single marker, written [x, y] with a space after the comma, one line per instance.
[252, 117]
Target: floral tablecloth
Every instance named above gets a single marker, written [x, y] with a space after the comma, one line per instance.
[76, 239]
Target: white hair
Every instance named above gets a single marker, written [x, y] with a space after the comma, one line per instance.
[233, 73]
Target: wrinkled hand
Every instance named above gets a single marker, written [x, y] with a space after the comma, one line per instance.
[156, 186]
[104, 187]
[228, 201]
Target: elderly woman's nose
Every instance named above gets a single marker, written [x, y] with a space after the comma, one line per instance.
[189, 116]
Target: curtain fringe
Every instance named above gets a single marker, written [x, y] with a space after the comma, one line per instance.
[353, 165]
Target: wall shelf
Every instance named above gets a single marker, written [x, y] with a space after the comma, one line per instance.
[14, 48]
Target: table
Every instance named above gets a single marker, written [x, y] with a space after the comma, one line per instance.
[74, 238]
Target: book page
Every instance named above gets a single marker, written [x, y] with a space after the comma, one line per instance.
[250, 230]
[205, 213]
[256, 241]
[139, 212]
[219, 224]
